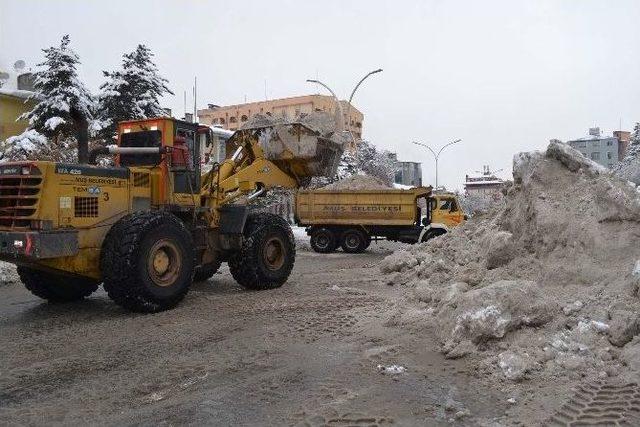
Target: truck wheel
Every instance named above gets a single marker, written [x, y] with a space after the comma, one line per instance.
[267, 255]
[147, 261]
[353, 241]
[56, 287]
[433, 233]
[323, 240]
[206, 271]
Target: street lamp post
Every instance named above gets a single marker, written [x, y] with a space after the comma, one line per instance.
[339, 105]
[436, 156]
[353, 92]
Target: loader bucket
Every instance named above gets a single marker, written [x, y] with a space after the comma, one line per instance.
[308, 147]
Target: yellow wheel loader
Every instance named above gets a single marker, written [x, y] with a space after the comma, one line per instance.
[146, 227]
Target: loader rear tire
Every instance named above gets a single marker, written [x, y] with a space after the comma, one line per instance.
[56, 288]
[148, 261]
[206, 271]
[323, 240]
[267, 255]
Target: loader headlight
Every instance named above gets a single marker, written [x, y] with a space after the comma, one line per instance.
[26, 170]
[18, 244]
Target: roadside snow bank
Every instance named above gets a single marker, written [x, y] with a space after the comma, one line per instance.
[550, 274]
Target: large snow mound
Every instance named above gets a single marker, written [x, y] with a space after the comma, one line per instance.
[548, 276]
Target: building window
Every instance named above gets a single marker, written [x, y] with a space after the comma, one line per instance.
[215, 121]
[595, 156]
[609, 155]
[222, 120]
[609, 143]
[595, 143]
[582, 144]
[232, 120]
[243, 118]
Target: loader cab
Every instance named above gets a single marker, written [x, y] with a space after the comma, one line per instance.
[177, 162]
[212, 143]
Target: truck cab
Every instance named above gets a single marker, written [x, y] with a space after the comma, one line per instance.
[442, 214]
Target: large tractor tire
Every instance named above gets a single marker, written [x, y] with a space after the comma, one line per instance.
[148, 261]
[56, 287]
[206, 271]
[353, 241]
[267, 255]
[323, 240]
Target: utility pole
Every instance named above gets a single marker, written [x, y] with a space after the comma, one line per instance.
[436, 156]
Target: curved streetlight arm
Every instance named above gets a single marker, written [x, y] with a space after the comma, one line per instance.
[427, 147]
[353, 92]
[338, 103]
[446, 145]
[437, 156]
[379, 70]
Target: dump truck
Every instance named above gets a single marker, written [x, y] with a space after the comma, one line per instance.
[154, 223]
[352, 218]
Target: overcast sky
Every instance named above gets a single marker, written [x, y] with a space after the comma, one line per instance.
[504, 76]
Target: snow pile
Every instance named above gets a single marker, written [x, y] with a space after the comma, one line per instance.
[358, 182]
[8, 274]
[546, 280]
[391, 369]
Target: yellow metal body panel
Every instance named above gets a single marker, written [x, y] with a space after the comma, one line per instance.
[362, 207]
[86, 199]
[445, 209]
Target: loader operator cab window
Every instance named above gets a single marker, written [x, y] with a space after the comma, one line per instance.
[187, 180]
[146, 138]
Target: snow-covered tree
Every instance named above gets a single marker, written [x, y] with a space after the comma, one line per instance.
[371, 161]
[132, 92]
[367, 160]
[65, 106]
[31, 145]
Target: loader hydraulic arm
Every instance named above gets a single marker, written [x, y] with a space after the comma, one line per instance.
[246, 172]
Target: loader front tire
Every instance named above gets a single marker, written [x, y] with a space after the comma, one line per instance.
[56, 288]
[267, 255]
[148, 261]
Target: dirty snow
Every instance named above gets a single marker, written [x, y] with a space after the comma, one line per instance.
[357, 182]
[544, 286]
